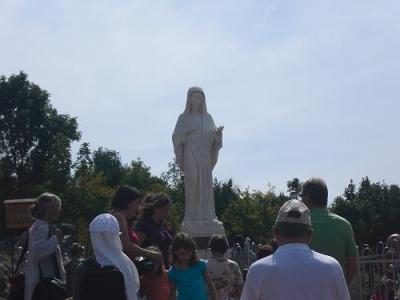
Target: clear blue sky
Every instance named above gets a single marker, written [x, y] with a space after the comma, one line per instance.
[303, 88]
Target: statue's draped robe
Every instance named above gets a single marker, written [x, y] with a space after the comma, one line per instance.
[196, 155]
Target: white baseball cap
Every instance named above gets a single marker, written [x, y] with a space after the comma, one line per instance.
[294, 212]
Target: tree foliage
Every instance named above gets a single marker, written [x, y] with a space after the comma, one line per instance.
[35, 140]
[373, 210]
[294, 187]
[108, 162]
[35, 156]
[138, 174]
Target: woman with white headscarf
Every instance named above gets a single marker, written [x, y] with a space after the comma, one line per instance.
[107, 248]
[196, 144]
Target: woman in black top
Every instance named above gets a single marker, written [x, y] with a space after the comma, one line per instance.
[151, 225]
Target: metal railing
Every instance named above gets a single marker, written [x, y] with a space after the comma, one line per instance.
[244, 256]
[378, 274]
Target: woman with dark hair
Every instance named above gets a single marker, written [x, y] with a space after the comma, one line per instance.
[125, 207]
[44, 254]
[151, 225]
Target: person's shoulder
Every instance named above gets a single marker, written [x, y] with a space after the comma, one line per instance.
[325, 259]
[233, 263]
[40, 223]
[201, 264]
[263, 263]
[336, 217]
[339, 219]
[120, 218]
[260, 270]
[173, 268]
[39, 226]
[172, 273]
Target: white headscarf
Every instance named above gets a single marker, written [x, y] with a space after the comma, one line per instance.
[107, 248]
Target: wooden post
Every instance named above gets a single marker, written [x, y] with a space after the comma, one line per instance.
[18, 213]
[18, 218]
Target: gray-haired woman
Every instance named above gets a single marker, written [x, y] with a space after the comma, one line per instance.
[44, 254]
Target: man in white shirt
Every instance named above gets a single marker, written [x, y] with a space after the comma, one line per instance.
[295, 271]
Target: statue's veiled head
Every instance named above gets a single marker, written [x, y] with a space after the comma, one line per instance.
[196, 101]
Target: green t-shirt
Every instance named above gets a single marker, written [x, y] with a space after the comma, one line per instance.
[332, 236]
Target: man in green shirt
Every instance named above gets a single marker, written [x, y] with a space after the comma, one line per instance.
[333, 235]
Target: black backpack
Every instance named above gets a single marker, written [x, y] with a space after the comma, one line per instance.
[101, 283]
[50, 289]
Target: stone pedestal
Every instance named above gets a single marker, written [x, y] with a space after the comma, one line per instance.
[201, 231]
[202, 227]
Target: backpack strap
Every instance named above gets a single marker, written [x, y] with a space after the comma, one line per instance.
[22, 255]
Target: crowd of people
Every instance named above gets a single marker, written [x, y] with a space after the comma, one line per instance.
[135, 256]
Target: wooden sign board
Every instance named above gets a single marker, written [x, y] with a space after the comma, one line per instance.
[18, 213]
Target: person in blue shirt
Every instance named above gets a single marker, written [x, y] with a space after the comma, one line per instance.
[188, 275]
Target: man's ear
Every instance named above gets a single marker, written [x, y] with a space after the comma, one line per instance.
[311, 234]
[276, 233]
[304, 199]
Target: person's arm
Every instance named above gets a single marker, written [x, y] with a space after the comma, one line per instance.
[251, 289]
[77, 280]
[144, 286]
[342, 290]
[351, 267]
[238, 281]
[211, 288]
[351, 254]
[172, 290]
[41, 244]
[130, 248]
[238, 290]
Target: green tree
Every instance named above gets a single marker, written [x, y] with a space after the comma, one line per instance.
[175, 188]
[87, 194]
[224, 194]
[373, 210]
[86, 198]
[253, 214]
[84, 163]
[243, 216]
[138, 174]
[294, 187]
[35, 140]
[108, 162]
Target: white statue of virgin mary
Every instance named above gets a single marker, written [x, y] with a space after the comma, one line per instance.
[196, 144]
